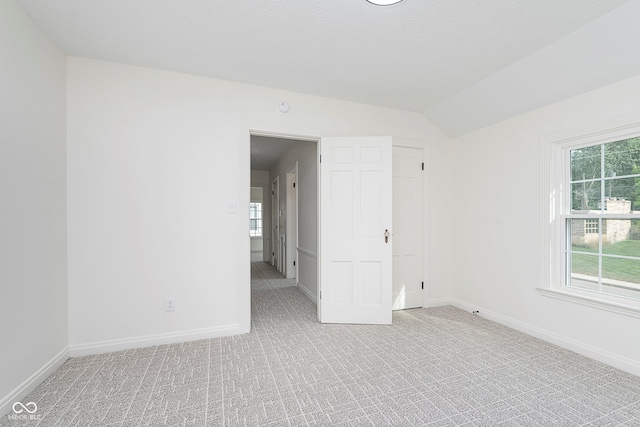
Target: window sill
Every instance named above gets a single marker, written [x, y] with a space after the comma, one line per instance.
[622, 306]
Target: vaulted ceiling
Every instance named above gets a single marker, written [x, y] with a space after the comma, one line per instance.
[463, 64]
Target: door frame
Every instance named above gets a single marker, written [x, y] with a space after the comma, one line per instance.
[312, 135]
[246, 131]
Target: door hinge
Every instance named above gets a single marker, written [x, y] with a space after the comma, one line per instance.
[294, 263]
[320, 158]
[422, 285]
[422, 165]
[294, 185]
[320, 294]
[273, 253]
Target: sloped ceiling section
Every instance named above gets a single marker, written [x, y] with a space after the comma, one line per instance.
[602, 52]
[464, 64]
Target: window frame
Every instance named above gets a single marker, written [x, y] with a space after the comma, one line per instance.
[258, 219]
[555, 197]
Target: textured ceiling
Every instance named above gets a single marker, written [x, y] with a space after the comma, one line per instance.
[418, 55]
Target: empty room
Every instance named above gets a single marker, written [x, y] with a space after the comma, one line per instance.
[320, 212]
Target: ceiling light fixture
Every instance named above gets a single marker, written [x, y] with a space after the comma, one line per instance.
[384, 2]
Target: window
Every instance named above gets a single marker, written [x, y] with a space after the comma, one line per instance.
[603, 238]
[591, 226]
[255, 219]
[591, 197]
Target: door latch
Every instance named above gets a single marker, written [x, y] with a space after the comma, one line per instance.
[386, 236]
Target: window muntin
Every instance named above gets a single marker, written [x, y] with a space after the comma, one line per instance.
[591, 226]
[602, 219]
[255, 219]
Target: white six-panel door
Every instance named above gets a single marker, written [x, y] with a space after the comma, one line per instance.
[356, 208]
[408, 227]
[275, 222]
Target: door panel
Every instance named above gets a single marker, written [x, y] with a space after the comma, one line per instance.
[408, 227]
[275, 222]
[355, 262]
[291, 268]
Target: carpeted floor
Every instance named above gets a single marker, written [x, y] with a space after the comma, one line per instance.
[435, 367]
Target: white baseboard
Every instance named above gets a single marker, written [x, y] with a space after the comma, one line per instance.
[439, 302]
[599, 354]
[307, 293]
[99, 347]
[33, 381]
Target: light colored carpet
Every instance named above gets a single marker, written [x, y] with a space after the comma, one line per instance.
[435, 367]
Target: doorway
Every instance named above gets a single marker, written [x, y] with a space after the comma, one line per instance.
[304, 253]
[289, 167]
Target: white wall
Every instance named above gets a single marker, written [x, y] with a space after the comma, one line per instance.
[496, 211]
[152, 157]
[33, 261]
[306, 154]
[440, 194]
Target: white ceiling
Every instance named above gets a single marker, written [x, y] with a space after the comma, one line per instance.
[266, 151]
[464, 64]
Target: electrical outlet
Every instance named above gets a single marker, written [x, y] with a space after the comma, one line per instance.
[169, 304]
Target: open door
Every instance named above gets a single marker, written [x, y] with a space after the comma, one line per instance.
[355, 230]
